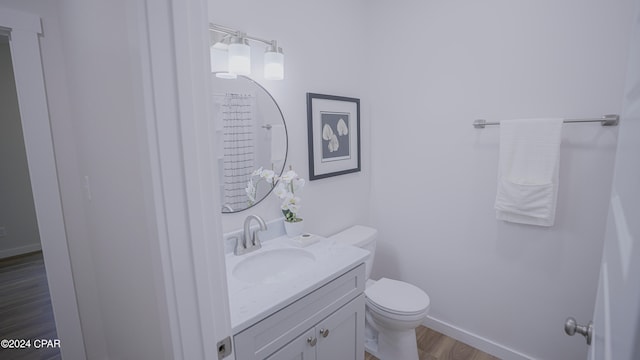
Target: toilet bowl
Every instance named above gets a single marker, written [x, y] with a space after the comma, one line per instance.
[393, 308]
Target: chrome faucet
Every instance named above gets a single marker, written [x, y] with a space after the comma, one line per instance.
[250, 240]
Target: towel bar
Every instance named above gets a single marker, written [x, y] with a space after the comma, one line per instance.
[605, 120]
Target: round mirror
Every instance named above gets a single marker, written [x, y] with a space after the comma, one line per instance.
[253, 141]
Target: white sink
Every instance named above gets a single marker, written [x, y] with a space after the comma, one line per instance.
[261, 283]
[273, 266]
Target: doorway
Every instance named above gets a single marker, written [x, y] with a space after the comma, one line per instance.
[18, 222]
[24, 31]
[26, 312]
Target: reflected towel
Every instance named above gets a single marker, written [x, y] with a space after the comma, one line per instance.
[278, 143]
[528, 171]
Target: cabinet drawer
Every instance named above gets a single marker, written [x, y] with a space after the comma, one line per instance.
[275, 331]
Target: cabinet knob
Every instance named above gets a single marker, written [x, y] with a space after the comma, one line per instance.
[324, 332]
[312, 341]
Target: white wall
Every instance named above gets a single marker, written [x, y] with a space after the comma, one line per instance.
[17, 212]
[323, 47]
[89, 68]
[434, 175]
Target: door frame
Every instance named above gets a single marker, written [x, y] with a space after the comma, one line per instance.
[174, 63]
[24, 32]
[616, 316]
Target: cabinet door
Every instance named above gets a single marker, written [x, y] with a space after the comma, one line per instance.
[341, 334]
[301, 348]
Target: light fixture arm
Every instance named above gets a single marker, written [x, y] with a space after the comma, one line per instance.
[232, 32]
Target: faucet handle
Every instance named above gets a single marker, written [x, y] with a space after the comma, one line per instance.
[239, 248]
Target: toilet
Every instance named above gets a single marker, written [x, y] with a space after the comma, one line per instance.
[393, 308]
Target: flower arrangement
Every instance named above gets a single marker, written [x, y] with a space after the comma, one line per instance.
[288, 185]
[268, 176]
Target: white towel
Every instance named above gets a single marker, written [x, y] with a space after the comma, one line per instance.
[528, 171]
[278, 143]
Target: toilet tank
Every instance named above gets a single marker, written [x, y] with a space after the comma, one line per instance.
[363, 237]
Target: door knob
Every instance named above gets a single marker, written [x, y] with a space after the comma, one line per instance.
[324, 332]
[312, 341]
[571, 327]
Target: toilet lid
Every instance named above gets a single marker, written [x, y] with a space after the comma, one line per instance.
[397, 297]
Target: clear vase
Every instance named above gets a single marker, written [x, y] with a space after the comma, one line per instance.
[294, 229]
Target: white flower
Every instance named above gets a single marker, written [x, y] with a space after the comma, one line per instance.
[268, 175]
[294, 208]
[342, 127]
[281, 190]
[333, 143]
[298, 184]
[327, 133]
[252, 187]
[251, 191]
[291, 203]
[289, 183]
[257, 172]
[288, 176]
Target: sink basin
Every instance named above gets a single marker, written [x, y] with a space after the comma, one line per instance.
[273, 266]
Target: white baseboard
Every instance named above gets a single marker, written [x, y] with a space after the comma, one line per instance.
[478, 342]
[20, 250]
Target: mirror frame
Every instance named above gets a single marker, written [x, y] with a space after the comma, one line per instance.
[286, 152]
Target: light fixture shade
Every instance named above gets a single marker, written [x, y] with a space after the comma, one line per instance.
[274, 64]
[220, 61]
[240, 57]
[219, 57]
[226, 75]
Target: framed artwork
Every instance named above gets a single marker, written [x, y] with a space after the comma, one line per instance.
[333, 126]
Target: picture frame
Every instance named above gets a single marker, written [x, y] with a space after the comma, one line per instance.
[333, 128]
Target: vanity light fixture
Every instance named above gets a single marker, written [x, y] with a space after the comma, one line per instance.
[239, 56]
[231, 54]
[273, 62]
[219, 54]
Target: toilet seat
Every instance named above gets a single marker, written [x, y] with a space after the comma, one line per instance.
[396, 298]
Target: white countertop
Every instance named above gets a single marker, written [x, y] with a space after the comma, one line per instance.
[252, 302]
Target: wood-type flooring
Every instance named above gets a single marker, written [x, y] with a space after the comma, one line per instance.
[25, 308]
[433, 345]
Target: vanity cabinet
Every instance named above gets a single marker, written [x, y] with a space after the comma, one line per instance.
[326, 324]
[336, 337]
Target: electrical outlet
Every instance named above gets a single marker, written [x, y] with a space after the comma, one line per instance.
[3, 231]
